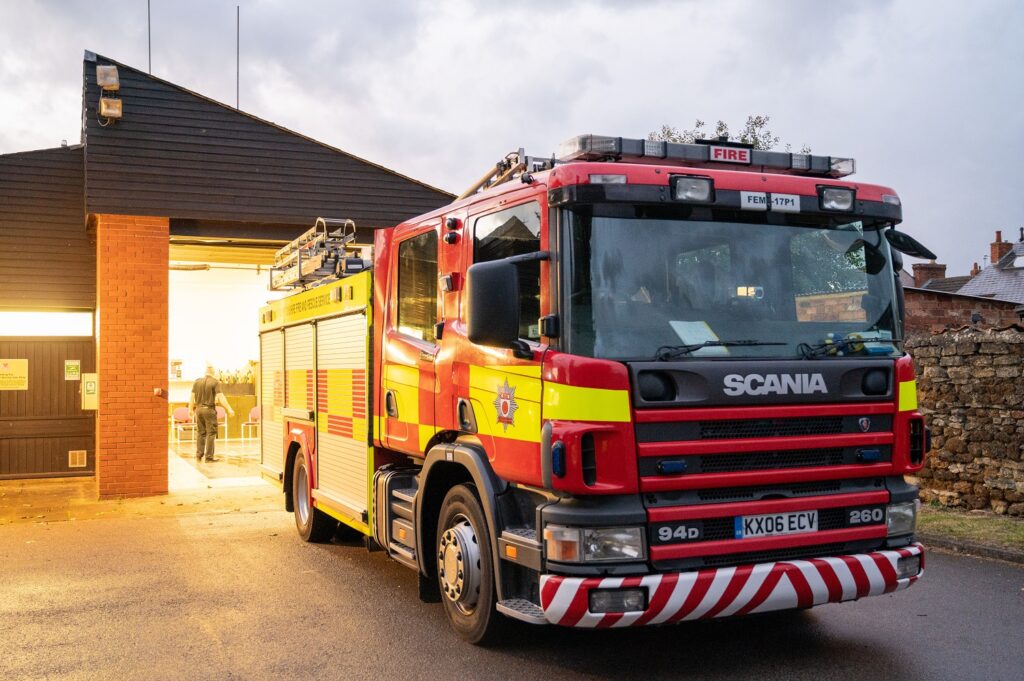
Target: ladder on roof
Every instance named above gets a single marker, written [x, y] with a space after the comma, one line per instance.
[324, 253]
[515, 164]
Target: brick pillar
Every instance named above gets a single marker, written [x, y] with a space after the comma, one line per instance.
[924, 272]
[131, 292]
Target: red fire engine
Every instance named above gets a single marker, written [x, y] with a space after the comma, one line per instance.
[636, 383]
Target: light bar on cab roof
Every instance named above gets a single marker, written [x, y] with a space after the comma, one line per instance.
[710, 153]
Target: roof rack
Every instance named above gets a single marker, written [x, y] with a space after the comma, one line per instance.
[515, 164]
[323, 253]
[704, 153]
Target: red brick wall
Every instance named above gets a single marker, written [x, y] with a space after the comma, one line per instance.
[831, 307]
[131, 291]
[930, 311]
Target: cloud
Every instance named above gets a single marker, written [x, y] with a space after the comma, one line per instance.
[926, 95]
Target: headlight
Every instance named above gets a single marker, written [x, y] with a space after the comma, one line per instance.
[593, 544]
[613, 543]
[901, 518]
[696, 189]
[835, 198]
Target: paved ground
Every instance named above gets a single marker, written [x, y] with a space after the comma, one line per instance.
[237, 595]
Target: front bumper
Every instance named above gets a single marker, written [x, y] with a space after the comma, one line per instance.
[723, 592]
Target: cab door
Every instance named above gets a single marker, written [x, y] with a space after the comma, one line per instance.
[410, 345]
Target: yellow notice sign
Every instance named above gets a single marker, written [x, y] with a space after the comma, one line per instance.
[13, 374]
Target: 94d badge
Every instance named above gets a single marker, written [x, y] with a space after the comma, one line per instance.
[506, 405]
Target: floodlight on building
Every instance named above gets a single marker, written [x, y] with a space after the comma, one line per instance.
[109, 82]
[107, 78]
[110, 108]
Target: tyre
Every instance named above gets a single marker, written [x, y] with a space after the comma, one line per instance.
[465, 567]
[313, 524]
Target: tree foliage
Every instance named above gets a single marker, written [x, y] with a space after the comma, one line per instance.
[754, 132]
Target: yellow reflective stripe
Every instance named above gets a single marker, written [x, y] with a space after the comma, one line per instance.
[908, 395]
[572, 403]
[340, 517]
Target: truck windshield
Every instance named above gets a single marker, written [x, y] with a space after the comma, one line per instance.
[641, 281]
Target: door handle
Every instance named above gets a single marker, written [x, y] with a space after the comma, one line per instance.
[390, 404]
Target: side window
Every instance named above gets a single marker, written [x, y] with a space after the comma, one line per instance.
[417, 286]
[514, 231]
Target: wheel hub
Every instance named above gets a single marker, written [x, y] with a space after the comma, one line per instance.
[458, 565]
[302, 502]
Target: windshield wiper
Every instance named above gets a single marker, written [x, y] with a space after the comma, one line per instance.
[834, 347]
[669, 352]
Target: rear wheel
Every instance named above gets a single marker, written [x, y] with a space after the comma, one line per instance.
[465, 570]
[313, 524]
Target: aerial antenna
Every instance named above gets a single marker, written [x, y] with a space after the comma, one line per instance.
[238, 34]
[149, 38]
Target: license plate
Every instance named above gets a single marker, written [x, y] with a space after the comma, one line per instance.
[774, 524]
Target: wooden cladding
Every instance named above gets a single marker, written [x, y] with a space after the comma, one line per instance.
[47, 259]
[179, 154]
[39, 426]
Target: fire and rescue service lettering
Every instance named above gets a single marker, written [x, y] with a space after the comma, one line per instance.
[730, 155]
[778, 384]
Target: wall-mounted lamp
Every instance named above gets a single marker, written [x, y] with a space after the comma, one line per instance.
[109, 82]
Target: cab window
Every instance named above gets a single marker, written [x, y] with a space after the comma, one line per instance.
[417, 286]
[514, 231]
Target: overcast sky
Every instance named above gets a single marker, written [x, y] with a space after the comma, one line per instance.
[927, 96]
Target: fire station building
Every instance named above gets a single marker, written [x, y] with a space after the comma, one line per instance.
[87, 234]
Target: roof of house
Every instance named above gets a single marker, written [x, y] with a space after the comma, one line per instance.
[946, 284]
[1003, 280]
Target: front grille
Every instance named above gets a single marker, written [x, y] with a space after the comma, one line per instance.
[796, 458]
[797, 553]
[717, 529]
[734, 429]
[796, 489]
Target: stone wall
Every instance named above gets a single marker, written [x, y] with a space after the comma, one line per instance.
[971, 390]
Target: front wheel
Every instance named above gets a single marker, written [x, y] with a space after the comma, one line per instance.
[313, 524]
[465, 569]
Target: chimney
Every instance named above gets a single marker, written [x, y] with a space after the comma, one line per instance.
[1000, 247]
[975, 271]
[923, 272]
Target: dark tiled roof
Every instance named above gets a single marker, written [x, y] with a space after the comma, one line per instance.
[946, 284]
[1002, 280]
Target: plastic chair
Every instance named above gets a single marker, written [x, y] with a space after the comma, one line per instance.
[181, 421]
[251, 428]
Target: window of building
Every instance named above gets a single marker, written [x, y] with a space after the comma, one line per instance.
[514, 231]
[417, 286]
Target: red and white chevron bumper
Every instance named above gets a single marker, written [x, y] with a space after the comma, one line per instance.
[675, 597]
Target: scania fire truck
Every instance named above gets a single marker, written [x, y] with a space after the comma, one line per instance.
[633, 383]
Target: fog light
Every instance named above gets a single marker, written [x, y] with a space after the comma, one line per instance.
[901, 518]
[907, 566]
[833, 198]
[618, 600]
[696, 189]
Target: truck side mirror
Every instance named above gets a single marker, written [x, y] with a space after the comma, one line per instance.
[492, 292]
[907, 244]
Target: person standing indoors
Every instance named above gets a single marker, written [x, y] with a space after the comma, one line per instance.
[202, 406]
